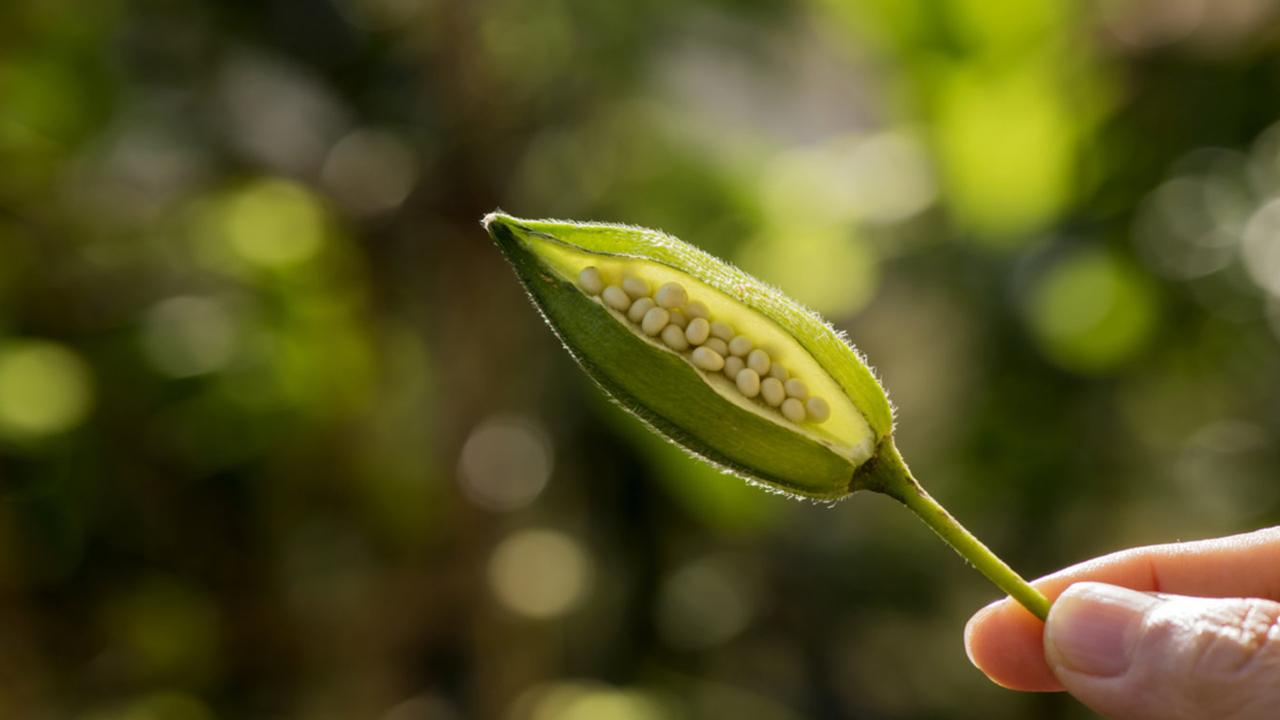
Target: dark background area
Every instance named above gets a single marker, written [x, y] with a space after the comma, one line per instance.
[280, 437]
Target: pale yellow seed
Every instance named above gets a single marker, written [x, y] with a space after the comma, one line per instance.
[818, 409]
[720, 346]
[772, 392]
[639, 308]
[732, 366]
[793, 410]
[698, 331]
[674, 338]
[616, 298]
[707, 359]
[777, 371]
[590, 280]
[635, 287]
[671, 295]
[696, 309]
[741, 345]
[679, 319]
[796, 389]
[654, 321]
[722, 330]
[748, 382]
[759, 361]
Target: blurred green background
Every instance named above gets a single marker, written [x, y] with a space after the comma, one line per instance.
[280, 437]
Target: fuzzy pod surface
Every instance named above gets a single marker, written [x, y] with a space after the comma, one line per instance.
[701, 411]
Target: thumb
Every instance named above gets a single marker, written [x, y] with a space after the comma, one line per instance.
[1134, 656]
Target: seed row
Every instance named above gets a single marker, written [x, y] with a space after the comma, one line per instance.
[667, 314]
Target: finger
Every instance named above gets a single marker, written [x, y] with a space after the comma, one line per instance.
[1140, 656]
[1006, 642]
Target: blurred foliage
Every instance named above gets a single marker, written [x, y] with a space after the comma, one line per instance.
[279, 436]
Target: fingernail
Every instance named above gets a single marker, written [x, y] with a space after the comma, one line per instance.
[1092, 628]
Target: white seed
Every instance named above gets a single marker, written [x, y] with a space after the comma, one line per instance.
[671, 295]
[722, 330]
[777, 371]
[698, 331]
[678, 318]
[748, 382]
[732, 366]
[741, 345]
[818, 409]
[674, 338]
[772, 392]
[591, 281]
[654, 321]
[759, 361]
[720, 346]
[796, 389]
[707, 359]
[639, 308]
[616, 298]
[793, 410]
[696, 309]
[635, 287]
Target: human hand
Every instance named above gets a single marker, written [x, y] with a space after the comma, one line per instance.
[1180, 631]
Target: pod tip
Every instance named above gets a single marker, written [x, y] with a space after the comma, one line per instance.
[497, 216]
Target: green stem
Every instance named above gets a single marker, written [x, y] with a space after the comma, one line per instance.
[888, 474]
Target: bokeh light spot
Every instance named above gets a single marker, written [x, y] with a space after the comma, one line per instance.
[611, 705]
[187, 336]
[540, 574]
[505, 463]
[1092, 311]
[1176, 234]
[1261, 248]
[45, 389]
[1005, 179]
[883, 178]
[370, 171]
[891, 176]
[274, 223]
[825, 267]
[276, 113]
[586, 701]
[702, 605]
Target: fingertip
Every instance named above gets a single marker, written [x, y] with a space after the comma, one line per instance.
[973, 628]
[1006, 643]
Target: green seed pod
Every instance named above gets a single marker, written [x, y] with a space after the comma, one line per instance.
[680, 393]
[622, 300]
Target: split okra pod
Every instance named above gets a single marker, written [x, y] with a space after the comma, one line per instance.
[725, 366]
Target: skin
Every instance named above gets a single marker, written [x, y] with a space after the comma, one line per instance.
[1185, 657]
